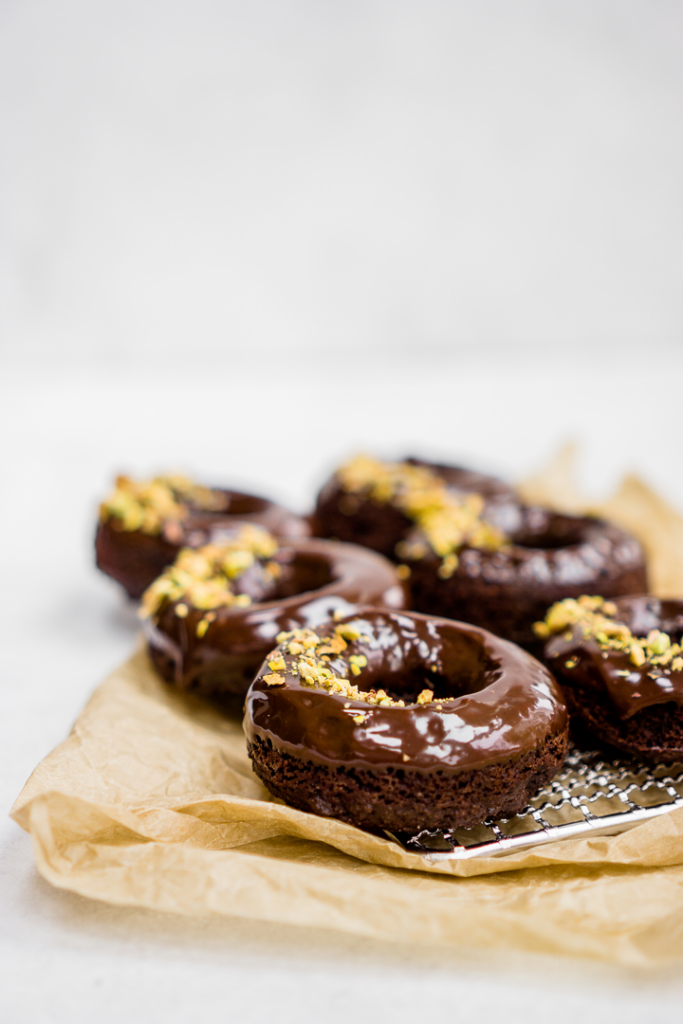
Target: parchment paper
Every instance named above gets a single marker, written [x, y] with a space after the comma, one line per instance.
[151, 802]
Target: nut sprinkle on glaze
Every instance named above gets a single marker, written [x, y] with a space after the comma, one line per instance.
[205, 578]
[595, 619]
[147, 505]
[142, 526]
[212, 618]
[446, 520]
[322, 663]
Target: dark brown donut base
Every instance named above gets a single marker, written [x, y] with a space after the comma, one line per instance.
[654, 734]
[135, 559]
[132, 558]
[505, 592]
[401, 800]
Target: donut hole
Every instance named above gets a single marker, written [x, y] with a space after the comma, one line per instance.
[407, 687]
[202, 526]
[464, 665]
[549, 531]
[238, 504]
[301, 573]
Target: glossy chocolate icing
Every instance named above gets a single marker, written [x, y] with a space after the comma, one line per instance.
[550, 556]
[381, 525]
[135, 559]
[506, 702]
[582, 662]
[318, 579]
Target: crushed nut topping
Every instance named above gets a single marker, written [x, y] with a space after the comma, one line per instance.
[448, 521]
[594, 617]
[314, 653]
[147, 505]
[203, 577]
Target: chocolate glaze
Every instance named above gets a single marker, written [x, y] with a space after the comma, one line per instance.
[506, 702]
[551, 556]
[135, 559]
[597, 670]
[381, 525]
[318, 579]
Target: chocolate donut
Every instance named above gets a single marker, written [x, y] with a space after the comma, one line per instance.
[211, 618]
[462, 569]
[143, 526]
[620, 664]
[401, 722]
[376, 503]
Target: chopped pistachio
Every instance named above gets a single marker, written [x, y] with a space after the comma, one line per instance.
[637, 654]
[313, 667]
[448, 567]
[203, 578]
[593, 618]
[448, 521]
[657, 643]
[348, 631]
[357, 663]
[237, 562]
[147, 505]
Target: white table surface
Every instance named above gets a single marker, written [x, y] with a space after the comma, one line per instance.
[278, 429]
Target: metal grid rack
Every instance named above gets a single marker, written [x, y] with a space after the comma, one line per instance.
[589, 796]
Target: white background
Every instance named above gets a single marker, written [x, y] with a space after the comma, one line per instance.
[247, 239]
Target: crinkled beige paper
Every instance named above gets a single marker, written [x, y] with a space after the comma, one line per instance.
[151, 802]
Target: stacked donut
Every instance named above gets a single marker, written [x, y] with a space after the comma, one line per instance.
[385, 685]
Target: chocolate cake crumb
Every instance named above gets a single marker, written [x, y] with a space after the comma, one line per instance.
[404, 799]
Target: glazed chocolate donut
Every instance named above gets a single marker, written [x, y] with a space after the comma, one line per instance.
[402, 722]
[376, 503]
[143, 526]
[211, 618]
[462, 569]
[620, 664]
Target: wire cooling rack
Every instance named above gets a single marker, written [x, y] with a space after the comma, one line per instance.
[589, 796]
